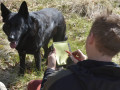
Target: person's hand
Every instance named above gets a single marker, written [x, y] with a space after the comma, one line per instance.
[79, 55]
[52, 59]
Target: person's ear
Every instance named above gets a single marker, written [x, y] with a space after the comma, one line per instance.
[91, 38]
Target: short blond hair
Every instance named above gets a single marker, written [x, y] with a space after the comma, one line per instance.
[106, 30]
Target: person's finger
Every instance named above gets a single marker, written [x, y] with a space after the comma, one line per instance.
[73, 59]
[54, 50]
[69, 54]
[77, 53]
[50, 53]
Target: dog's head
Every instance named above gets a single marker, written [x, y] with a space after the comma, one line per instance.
[15, 23]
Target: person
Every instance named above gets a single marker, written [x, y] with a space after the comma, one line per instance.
[97, 71]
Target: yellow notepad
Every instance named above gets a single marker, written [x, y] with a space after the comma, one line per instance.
[61, 55]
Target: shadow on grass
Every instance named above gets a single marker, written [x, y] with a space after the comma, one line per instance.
[9, 76]
[13, 81]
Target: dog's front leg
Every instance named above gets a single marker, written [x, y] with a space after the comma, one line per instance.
[45, 51]
[37, 57]
[22, 62]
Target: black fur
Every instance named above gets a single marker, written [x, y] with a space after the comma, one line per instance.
[29, 31]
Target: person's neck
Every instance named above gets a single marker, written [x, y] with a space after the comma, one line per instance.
[101, 58]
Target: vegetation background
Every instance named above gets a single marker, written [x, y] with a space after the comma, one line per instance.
[79, 15]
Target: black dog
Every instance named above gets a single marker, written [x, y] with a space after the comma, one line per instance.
[29, 31]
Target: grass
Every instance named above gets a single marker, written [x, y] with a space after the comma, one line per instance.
[79, 15]
[77, 31]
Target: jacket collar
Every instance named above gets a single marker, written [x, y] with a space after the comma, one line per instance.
[97, 68]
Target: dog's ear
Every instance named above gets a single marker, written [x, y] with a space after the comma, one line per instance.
[24, 10]
[4, 12]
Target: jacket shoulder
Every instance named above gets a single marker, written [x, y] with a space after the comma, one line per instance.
[54, 77]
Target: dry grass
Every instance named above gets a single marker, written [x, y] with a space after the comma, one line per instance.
[88, 8]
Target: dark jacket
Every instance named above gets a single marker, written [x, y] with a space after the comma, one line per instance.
[86, 75]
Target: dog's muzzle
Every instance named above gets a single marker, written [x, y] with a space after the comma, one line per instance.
[13, 43]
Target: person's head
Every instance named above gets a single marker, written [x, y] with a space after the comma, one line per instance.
[106, 33]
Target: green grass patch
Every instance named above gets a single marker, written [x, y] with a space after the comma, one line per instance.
[77, 31]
